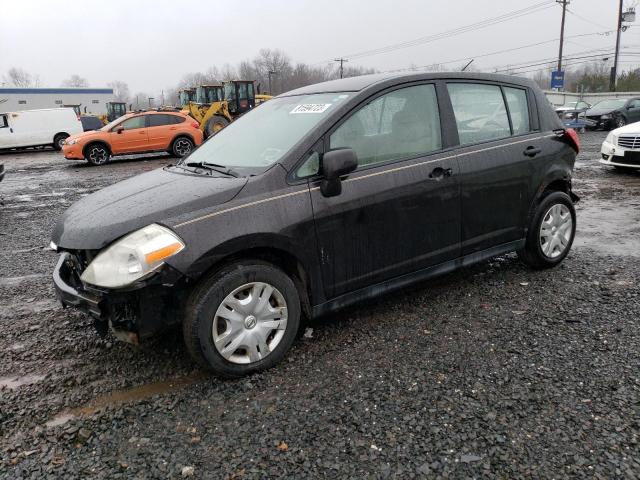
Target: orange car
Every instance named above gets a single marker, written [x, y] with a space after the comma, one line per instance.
[152, 131]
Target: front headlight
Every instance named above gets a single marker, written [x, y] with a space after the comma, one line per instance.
[73, 141]
[606, 116]
[610, 138]
[132, 257]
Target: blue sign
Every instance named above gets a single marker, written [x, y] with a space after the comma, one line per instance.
[557, 79]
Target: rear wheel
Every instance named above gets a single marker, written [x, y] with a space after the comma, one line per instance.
[97, 154]
[215, 124]
[242, 319]
[551, 232]
[58, 140]
[182, 146]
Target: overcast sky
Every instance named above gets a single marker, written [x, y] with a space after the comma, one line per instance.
[150, 44]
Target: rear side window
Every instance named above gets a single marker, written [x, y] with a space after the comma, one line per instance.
[160, 120]
[518, 109]
[480, 112]
[401, 124]
[177, 119]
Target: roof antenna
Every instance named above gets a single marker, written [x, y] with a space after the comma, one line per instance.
[465, 67]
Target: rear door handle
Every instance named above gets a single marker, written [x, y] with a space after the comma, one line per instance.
[439, 173]
[532, 151]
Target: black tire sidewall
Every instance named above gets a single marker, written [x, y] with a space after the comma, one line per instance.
[173, 146]
[533, 238]
[88, 150]
[212, 121]
[212, 295]
[56, 141]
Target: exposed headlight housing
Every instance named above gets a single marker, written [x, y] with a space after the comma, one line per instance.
[132, 257]
[610, 138]
[72, 141]
[606, 116]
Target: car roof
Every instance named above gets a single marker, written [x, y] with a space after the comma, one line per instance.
[356, 84]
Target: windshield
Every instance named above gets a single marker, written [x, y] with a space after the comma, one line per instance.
[262, 137]
[609, 104]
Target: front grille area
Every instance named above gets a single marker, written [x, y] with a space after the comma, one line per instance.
[630, 158]
[629, 141]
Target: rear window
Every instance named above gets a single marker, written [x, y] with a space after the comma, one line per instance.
[480, 112]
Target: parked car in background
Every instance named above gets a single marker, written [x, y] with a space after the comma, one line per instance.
[579, 106]
[614, 113]
[139, 132]
[35, 128]
[352, 188]
[621, 148]
[91, 122]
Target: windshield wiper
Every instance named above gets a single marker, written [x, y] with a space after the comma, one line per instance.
[213, 167]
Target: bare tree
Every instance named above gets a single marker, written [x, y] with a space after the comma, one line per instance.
[120, 90]
[75, 80]
[18, 77]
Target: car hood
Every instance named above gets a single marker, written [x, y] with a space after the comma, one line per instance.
[154, 197]
[633, 128]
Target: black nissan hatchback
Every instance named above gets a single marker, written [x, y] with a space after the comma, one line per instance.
[321, 197]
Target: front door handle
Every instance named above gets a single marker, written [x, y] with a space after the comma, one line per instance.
[439, 173]
[532, 151]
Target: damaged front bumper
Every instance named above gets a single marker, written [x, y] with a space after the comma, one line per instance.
[132, 314]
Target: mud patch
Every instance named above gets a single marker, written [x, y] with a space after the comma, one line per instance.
[15, 381]
[611, 228]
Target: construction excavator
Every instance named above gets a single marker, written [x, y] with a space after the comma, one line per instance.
[216, 106]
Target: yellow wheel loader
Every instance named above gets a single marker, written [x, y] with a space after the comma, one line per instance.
[216, 106]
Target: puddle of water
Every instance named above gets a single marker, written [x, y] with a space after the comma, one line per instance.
[14, 382]
[612, 228]
[129, 395]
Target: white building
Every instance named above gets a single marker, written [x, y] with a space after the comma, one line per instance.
[90, 100]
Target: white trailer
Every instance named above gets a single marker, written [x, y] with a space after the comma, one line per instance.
[31, 128]
[90, 100]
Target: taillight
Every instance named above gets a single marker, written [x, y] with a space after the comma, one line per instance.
[572, 135]
[195, 125]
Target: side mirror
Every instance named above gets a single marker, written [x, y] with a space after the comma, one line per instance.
[119, 129]
[335, 164]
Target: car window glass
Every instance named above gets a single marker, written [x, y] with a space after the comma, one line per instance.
[177, 119]
[480, 112]
[311, 166]
[399, 124]
[3, 121]
[634, 104]
[132, 123]
[518, 109]
[160, 120]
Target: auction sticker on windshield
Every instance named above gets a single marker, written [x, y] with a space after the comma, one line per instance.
[311, 108]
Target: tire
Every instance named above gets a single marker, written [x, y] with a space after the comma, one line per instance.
[182, 146]
[620, 122]
[215, 124]
[58, 141]
[97, 154]
[557, 235]
[206, 324]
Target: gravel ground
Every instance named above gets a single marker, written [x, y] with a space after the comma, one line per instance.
[494, 371]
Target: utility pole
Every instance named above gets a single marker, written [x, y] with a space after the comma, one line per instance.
[342, 61]
[614, 69]
[564, 13]
[271, 72]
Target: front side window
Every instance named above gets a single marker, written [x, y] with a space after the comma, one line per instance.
[133, 123]
[479, 111]
[518, 109]
[401, 124]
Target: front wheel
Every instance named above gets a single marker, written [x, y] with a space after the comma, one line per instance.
[242, 319]
[215, 124]
[97, 154]
[551, 232]
[620, 122]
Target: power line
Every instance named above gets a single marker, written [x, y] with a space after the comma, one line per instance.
[450, 33]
